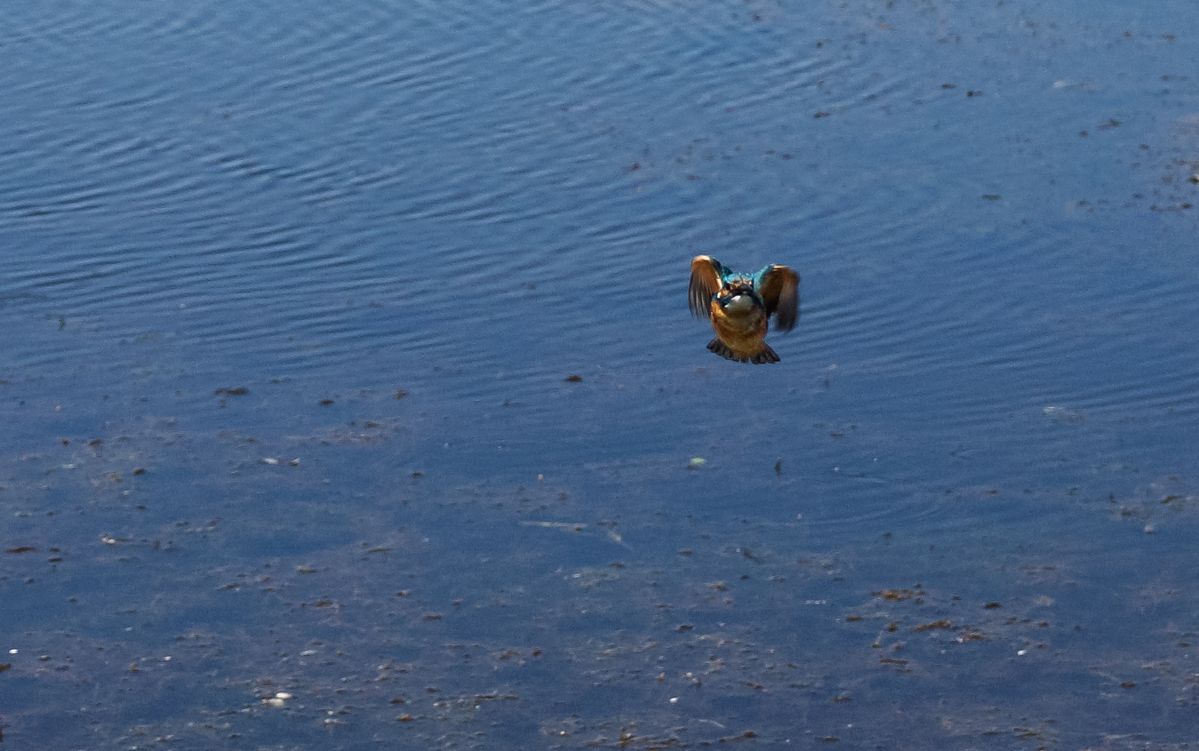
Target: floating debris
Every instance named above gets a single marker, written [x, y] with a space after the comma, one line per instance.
[278, 700]
[274, 461]
[897, 595]
[571, 526]
[1063, 414]
[696, 462]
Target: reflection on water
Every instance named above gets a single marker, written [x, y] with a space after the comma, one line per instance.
[291, 293]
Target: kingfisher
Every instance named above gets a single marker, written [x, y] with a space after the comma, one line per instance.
[740, 306]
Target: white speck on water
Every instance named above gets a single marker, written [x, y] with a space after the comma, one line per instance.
[1063, 414]
[278, 700]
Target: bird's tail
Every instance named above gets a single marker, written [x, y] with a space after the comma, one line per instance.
[763, 355]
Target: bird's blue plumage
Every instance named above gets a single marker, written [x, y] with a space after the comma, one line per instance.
[729, 277]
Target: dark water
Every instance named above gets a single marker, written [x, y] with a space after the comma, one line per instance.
[961, 513]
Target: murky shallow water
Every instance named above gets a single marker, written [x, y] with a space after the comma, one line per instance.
[960, 513]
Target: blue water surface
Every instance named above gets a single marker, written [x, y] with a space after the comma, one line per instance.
[291, 296]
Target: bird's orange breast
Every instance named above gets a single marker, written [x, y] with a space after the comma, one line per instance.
[744, 334]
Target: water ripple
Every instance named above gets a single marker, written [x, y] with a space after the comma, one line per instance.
[353, 182]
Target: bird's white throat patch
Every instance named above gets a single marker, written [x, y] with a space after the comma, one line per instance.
[739, 304]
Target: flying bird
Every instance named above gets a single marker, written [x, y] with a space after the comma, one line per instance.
[740, 306]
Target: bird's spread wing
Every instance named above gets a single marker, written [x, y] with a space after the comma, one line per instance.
[705, 282]
[779, 287]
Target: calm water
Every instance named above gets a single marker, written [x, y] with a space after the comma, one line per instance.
[961, 513]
